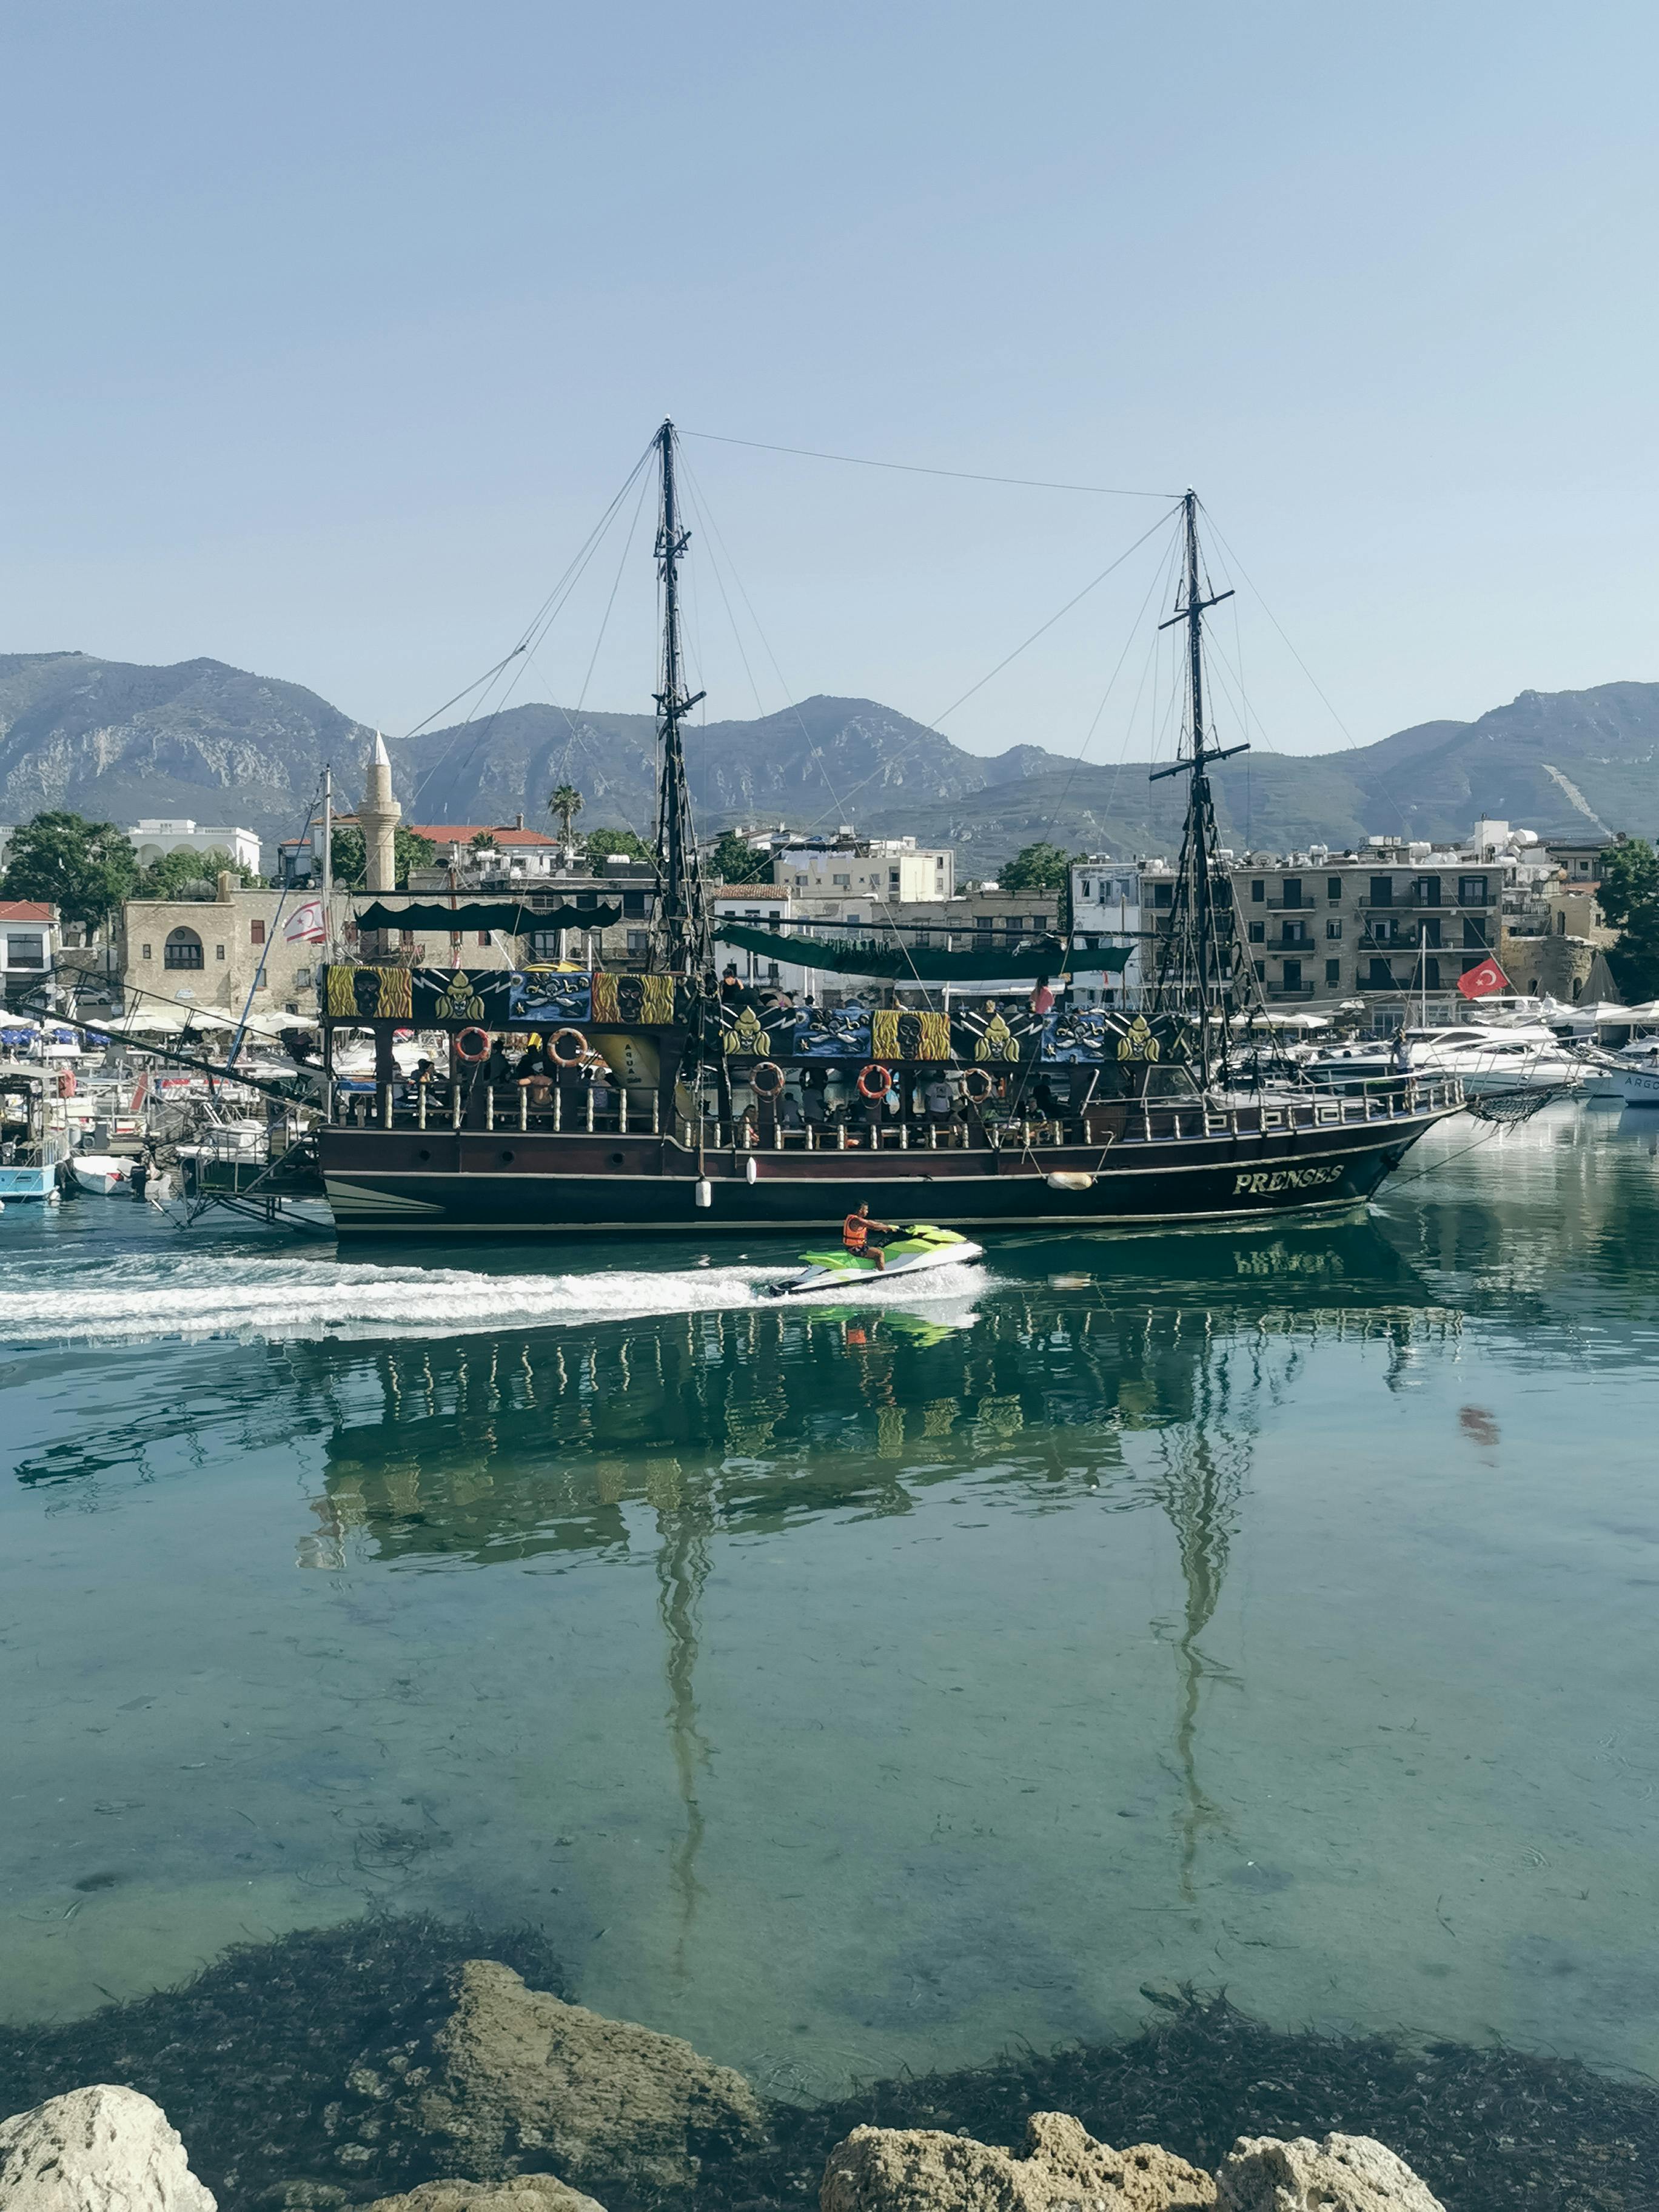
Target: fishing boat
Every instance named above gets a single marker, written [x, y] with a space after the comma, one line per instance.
[33, 1143]
[1058, 1115]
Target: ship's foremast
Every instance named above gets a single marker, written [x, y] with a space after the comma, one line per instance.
[681, 937]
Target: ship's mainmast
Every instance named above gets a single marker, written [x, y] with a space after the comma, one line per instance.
[1200, 970]
[682, 910]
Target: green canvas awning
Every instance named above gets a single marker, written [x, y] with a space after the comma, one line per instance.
[916, 963]
[509, 916]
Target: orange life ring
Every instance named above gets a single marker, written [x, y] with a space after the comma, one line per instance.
[767, 1079]
[66, 1083]
[567, 1058]
[883, 1082]
[977, 1085]
[461, 1052]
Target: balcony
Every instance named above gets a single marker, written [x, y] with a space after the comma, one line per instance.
[1288, 906]
[1279, 991]
[1409, 902]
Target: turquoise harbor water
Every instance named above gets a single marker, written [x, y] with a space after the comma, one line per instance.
[855, 1688]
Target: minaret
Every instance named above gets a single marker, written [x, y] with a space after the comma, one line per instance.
[379, 816]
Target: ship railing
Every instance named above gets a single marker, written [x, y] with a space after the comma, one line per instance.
[619, 1110]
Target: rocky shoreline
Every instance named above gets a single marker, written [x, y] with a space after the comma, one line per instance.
[408, 2066]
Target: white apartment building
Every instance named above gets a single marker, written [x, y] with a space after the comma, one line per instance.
[1106, 910]
[882, 868]
[152, 839]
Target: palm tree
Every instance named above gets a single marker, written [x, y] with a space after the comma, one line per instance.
[565, 805]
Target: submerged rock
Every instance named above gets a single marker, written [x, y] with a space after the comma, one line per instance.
[101, 2149]
[527, 2081]
[921, 2170]
[1344, 2173]
[520, 2192]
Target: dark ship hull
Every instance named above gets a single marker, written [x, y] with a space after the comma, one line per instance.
[1164, 1165]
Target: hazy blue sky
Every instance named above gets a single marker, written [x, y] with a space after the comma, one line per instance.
[332, 329]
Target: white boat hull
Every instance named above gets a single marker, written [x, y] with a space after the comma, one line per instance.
[101, 1175]
[844, 1275]
[1640, 1087]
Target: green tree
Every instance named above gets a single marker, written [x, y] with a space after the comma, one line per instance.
[564, 805]
[85, 869]
[1628, 896]
[599, 844]
[1040, 867]
[350, 860]
[734, 860]
[165, 878]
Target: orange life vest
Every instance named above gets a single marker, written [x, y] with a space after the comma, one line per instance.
[854, 1231]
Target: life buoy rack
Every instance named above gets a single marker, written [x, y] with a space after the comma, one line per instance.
[875, 1081]
[461, 1045]
[574, 1056]
[766, 1080]
[977, 1085]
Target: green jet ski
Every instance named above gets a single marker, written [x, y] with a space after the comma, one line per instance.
[912, 1252]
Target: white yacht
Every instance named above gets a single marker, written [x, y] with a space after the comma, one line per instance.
[1491, 1056]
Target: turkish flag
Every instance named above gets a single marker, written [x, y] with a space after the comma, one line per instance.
[1481, 982]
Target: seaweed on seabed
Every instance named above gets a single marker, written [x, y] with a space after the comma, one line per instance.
[1490, 2129]
[274, 2062]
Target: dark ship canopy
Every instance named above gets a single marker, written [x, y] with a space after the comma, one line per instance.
[1037, 958]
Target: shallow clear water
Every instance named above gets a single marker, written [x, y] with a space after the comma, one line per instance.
[847, 1686]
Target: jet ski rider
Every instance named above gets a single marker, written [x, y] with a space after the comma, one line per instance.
[861, 1235]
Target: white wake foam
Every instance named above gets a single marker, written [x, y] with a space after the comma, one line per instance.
[199, 1296]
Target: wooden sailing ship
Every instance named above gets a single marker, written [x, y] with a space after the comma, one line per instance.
[664, 1107]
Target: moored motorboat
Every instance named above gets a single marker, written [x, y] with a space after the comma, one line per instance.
[913, 1251]
[100, 1173]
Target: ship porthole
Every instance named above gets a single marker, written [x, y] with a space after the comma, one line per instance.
[618, 1159]
[506, 1156]
[423, 1154]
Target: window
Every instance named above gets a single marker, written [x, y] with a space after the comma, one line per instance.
[218, 951]
[1560, 928]
[26, 951]
[1333, 971]
[483, 938]
[257, 932]
[1294, 932]
[147, 952]
[1333, 929]
[633, 906]
[1427, 891]
[1261, 968]
[1164, 895]
[1039, 923]
[1293, 974]
[182, 950]
[1333, 887]
[981, 925]
[1381, 890]
[1430, 974]
[1292, 890]
[1474, 934]
[841, 883]
[1258, 932]
[1429, 931]
[1471, 890]
[638, 943]
[543, 944]
[892, 880]
[1258, 891]
[1381, 977]
[1013, 924]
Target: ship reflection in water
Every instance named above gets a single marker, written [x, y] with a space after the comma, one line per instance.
[661, 1438]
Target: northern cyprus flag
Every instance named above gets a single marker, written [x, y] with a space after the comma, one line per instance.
[305, 924]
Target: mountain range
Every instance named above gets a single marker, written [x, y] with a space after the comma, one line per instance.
[117, 740]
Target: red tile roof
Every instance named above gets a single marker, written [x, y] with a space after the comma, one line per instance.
[26, 910]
